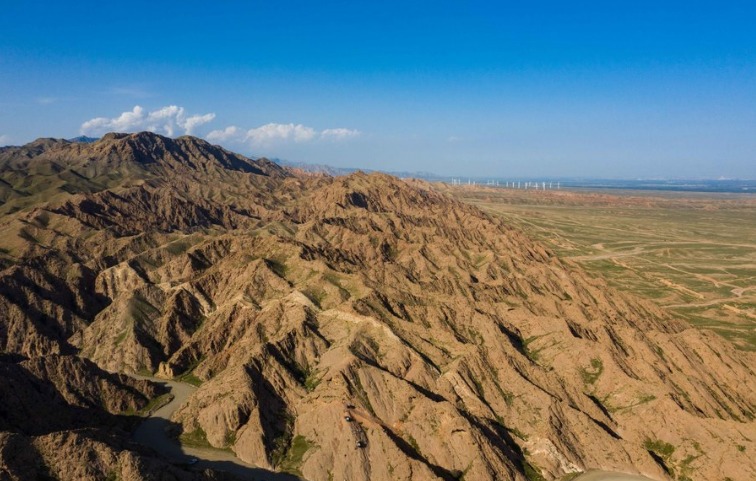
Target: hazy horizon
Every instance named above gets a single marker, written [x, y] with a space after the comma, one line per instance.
[594, 90]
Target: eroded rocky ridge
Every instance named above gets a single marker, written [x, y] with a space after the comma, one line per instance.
[457, 347]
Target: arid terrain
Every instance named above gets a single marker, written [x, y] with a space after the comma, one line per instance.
[352, 328]
[692, 253]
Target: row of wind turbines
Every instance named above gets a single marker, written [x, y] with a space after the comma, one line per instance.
[511, 184]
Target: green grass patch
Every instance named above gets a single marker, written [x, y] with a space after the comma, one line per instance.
[362, 394]
[662, 449]
[140, 310]
[178, 247]
[591, 375]
[519, 434]
[230, 439]
[315, 295]
[282, 441]
[532, 354]
[506, 395]
[155, 403]
[292, 462]
[644, 399]
[413, 442]
[606, 267]
[685, 467]
[532, 473]
[190, 378]
[311, 380]
[277, 266]
[196, 439]
[478, 387]
[516, 432]
[120, 338]
[335, 280]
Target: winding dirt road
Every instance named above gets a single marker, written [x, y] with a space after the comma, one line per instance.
[609, 476]
[154, 432]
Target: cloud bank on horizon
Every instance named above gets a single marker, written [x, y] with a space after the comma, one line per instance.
[172, 120]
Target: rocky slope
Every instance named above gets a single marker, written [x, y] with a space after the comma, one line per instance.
[62, 417]
[351, 328]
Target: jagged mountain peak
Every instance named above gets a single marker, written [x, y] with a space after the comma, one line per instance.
[52, 169]
[192, 152]
[143, 148]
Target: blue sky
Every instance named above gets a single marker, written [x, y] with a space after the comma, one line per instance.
[543, 88]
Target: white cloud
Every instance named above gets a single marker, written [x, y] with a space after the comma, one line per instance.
[165, 120]
[272, 132]
[46, 100]
[4, 139]
[339, 134]
[230, 133]
[164, 113]
[124, 122]
[195, 121]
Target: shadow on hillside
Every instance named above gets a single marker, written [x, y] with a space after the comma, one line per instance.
[246, 473]
[158, 434]
[30, 406]
[34, 406]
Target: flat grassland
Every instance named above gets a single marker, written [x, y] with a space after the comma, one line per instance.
[694, 254]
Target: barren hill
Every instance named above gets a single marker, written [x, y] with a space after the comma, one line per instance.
[359, 328]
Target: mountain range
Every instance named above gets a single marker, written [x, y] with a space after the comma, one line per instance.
[359, 327]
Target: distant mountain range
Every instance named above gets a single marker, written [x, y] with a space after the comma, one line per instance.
[338, 171]
[83, 139]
